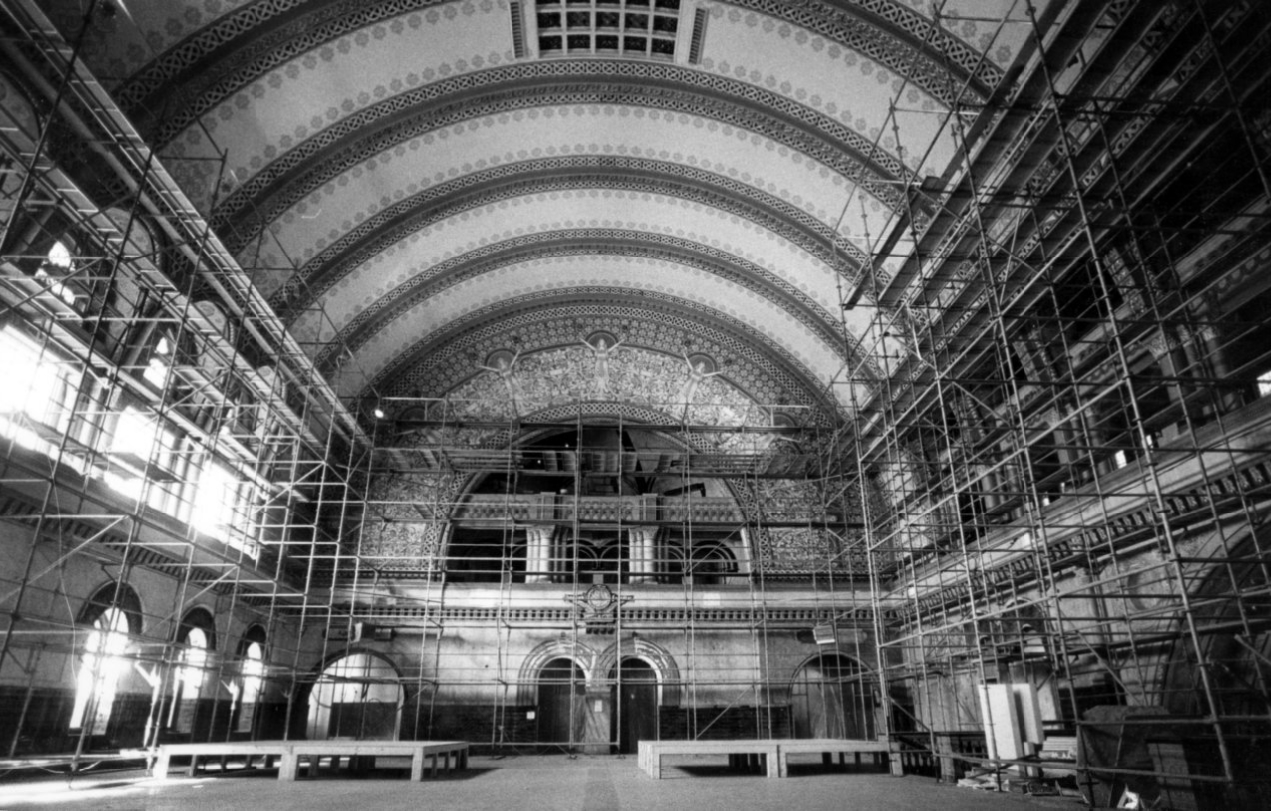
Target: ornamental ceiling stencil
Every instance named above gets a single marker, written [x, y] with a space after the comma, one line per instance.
[552, 245]
[381, 229]
[387, 273]
[417, 186]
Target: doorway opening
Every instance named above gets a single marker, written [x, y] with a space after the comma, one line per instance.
[829, 699]
[634, 699]
[561, 691]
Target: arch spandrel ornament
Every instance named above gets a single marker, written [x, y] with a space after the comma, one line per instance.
[658, 657]
[582, 655]
[567, 375]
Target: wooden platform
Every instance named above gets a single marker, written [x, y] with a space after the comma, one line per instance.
[770, 755]
[291, 753]
[828, 747]
[741, 754]
[74, 762]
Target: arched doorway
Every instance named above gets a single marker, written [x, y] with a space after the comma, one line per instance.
[829, 700]
[357, 696]
[635, 704]
[561, 688]
[1235, 650]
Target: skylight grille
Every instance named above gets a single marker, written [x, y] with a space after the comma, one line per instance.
[645, 28]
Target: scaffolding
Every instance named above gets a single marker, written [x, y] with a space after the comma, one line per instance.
[1053, 471]
[164, 436]
[1074, 427]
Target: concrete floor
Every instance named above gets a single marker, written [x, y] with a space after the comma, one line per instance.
[528, 783]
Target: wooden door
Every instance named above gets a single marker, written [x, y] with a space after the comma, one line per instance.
[560, 690]
[635, 710]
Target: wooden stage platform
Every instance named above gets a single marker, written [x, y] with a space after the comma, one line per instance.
[769, 755]
[290, 754]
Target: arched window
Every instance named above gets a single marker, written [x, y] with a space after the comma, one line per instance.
[55, 271]
[194, 658]
[140, 442]
[712, 564]
[251, 651]
[160, 360]
[590, 569]
[125, 299]
[196, 639]
[611, 562]
[38, 395]
[673, 566]
[253, 671]
[222, 505]
[212, 356]
[112, 615]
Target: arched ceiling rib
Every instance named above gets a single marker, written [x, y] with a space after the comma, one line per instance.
[461, 103]
[651, 217]
[552, 245]
[698, 295]
[205, 55]
[399, 181]
[450, 176]
[556, 174]
[795, 289]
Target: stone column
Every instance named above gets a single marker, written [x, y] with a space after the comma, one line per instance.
[988, 484]
[538, 552]
[642, 552]
[563, 561]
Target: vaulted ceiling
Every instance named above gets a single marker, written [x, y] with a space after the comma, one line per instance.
[418, 185]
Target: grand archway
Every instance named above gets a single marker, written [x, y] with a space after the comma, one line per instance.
[828, 699]
[358, 695]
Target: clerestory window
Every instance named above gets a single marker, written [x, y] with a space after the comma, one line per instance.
[53, 271]
[37, 398]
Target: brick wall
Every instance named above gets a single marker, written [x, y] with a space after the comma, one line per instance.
[46, 729]
[45, 726]
[486, 727]
[724, 723]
